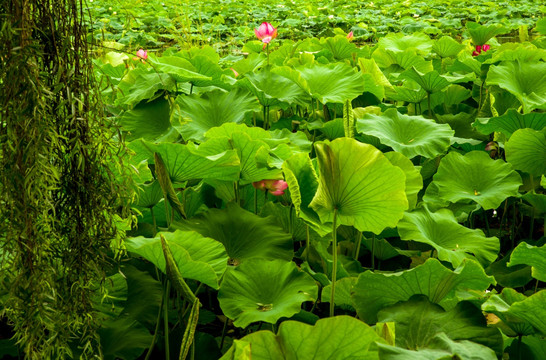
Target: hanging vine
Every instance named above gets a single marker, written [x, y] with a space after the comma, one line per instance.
[60, 187]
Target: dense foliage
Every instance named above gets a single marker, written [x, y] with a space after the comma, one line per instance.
[354, 181]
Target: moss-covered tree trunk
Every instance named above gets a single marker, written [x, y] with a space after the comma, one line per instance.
[58, 189]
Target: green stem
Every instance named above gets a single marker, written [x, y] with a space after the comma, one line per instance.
[357, 246]
[153, 220]
[307, 242]
[334, 265]
[255, 201]
[158, 321]
[503, 217]
[166, 319]
[224, 329]
[486, 223]
[267, 49]
[373, 252]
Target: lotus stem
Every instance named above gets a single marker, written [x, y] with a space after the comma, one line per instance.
[166, 319]
[334, 267]
[486, 223]
[153, 220]
[255, 201]
[158, 321]
[357, 245]
[307, 242]
[224, 329]
[373, 252]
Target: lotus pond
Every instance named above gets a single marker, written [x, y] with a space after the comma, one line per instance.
[348, 181]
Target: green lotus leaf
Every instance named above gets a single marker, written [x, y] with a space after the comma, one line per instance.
[511, 122]
[333, 83]
[500, 306]
[228, 129]
[461, 123]
[247, 151]
[530, 255]
[452, 241]
[197, 257]
[446, 46]
[475, 176]
[369, 66]
[212, 109]
[147, 120]
[303, 184]
[342, 296]
[272, 88]
[401, 42]
[431, 81]
[530, 348]
[395, 62]
[526, 81]
[149, 194]
[440, 348]
[515, 276]
[532, 310]
[334, 338]
[414, 180]
[526, 151]
[524, 52]
[340, 47]
[375, 291]
[243, 234]
[360, 183]
[139, 85]
[207, 66]
[411, 95]
[418, 321]
[186, 162]
[179, 68]
[409, 135]
[262, 290]
[452, 95]
[481, 34]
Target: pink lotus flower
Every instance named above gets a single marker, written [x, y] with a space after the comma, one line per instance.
[276, 187]
[266, 32]
[480, 48]
[141, 54]
[350, 36]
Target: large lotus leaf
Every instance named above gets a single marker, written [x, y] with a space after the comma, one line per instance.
[440, 348]
[247, 150]
[243, 234]
[360, 183]
[418, 321]
[526, 151]
[179, 68]
[403, 93]
[409, 135]
[303, 184]
[400, 42]
[208, 67]
[532, 310]
[452, 241]
[526, 81]
[272, 88]
[197, 257]
[516, 276]
[335, 338]
[475, 176]
[149, 194]
[340, 47]
[511, 122]
[186, 162]
[530, 255]
[499, 305]
[369, 66]
[511, 51]
[481, 34]
[212, 109]
[446, 46]
[228, 129]
[139, 85]
[343, 292]
[123, 338]
[375, 291]
[414, 180]
[333, 83]
[431, 81]
[147, 120]
[262, 290]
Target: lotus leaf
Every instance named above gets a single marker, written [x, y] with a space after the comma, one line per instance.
[334, 338]
[511, 122]
[375, 291]
[414, 180]
[431, 81]
[499, 305]
[360, 183]
[452, 241]
[332, 83]
[409, 135]
[475, 176]
[262, 290]
[526, 81]
[526, 151]
[212, 109]
[147, 120]
[447, 47]
[197, 257]
[243, 234]
[418, 321]
[530, 255]
[481, 34]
